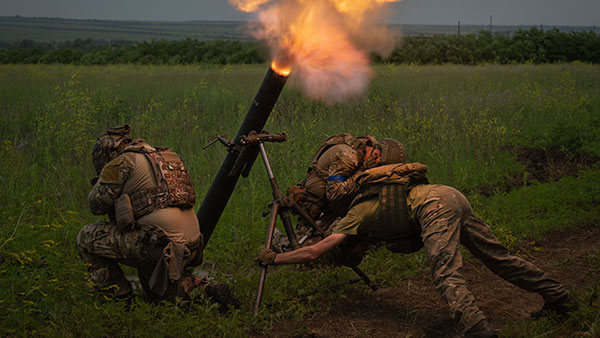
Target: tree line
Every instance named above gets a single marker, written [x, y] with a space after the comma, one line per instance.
[524, 46]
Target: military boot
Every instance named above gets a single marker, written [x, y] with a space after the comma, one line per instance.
[560, 307]
[222, 295]
[219, 293]
[482, 329]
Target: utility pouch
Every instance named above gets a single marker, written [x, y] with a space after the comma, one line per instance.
[124, 213]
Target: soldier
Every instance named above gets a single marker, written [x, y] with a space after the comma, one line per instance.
[396, 205]
[148, 195]
[329, 186]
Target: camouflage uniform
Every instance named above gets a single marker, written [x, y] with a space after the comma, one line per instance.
[341, 163]
[445, 220]
[329, 186]
[161, 244]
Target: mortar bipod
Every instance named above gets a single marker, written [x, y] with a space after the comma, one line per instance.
[258, 140]
[276, 206]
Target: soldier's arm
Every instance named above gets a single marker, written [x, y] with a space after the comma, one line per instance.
[342, 175]
[109, 185]
[310, 253]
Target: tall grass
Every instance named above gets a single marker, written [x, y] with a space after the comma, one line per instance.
[458, 120]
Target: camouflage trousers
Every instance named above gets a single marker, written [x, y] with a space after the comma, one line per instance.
[447, 221]
[104, 247]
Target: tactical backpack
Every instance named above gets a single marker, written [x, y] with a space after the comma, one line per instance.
[356, 143]
[174, 188]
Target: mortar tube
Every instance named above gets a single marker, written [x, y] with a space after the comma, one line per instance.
[222, 186]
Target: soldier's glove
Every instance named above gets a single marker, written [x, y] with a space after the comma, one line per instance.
[266, 256]
[295, 193]
[94, 180]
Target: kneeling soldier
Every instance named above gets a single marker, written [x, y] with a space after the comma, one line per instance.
[148, 195]
[396, 205]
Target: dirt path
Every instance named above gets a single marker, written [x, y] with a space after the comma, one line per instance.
[414, 309]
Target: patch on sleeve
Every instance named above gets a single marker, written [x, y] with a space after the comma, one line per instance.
[338, 178]
[110, 174]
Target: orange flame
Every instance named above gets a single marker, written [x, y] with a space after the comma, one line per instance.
[325, 42]
[281, 70]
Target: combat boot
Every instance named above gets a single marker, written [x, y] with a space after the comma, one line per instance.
[222, 295]
[561, 307]
[219, 293]
[482, 329]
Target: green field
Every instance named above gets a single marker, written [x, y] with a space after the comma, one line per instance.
[56, 30]
[59, 30]
[458, 120]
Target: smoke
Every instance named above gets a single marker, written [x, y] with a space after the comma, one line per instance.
[326, 43]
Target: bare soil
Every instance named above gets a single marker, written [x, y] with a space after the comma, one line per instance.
[414, 309]
[542, 165]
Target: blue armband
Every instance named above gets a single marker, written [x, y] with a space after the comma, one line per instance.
[339, 178]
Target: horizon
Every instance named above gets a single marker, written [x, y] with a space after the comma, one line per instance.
[407, 12]
[243, 21]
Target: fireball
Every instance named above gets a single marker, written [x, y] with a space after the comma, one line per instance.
[326, 43]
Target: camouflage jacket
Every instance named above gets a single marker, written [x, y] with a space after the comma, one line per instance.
[110, 184]
[342, 164]
[331, 177]
[154, 178]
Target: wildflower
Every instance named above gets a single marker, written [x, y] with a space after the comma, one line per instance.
[22, 146]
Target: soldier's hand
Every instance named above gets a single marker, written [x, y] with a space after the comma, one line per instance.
[94, 180]
[295, 193]
[266, 256]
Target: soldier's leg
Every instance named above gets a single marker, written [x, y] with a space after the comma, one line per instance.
[96, 244]
[103, 246]
[483, 244]
[145, 272]
[154, 249]
[441, 219]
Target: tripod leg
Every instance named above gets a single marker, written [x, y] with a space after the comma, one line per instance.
[364, 277]
[262, 275]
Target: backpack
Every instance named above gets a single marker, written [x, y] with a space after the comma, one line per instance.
[174, 188]
[356, 143]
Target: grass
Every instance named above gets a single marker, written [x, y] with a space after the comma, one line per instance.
[458, 120]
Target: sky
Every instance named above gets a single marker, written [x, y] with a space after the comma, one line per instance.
[448, 12]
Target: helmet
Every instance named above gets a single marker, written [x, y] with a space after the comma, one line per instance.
[391, 150]
[109, 145]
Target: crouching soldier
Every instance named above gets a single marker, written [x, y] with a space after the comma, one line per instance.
[329, 186]
[148, 195]
[397, 206]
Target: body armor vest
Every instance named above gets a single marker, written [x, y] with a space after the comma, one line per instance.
[391, 183]
[174, 188]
